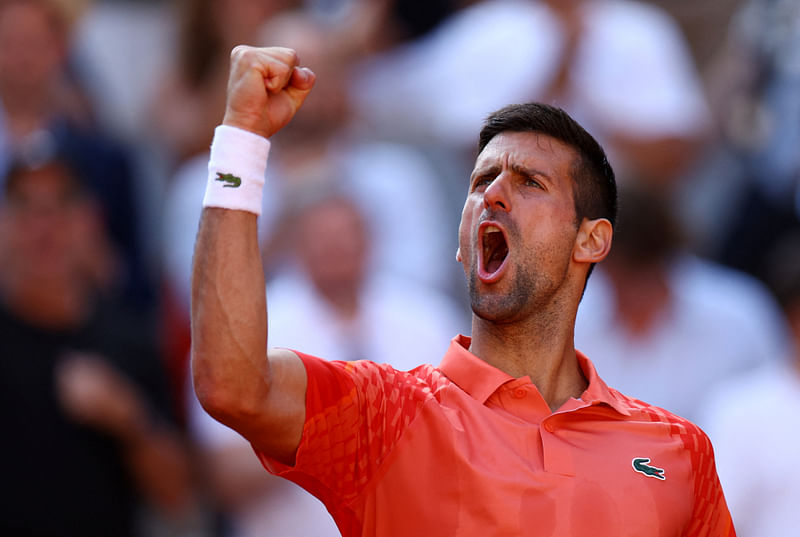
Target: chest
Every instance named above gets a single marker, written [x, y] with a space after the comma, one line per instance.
[458, 471]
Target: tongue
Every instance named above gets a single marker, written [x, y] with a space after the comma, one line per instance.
[495, 251]
[494, 262]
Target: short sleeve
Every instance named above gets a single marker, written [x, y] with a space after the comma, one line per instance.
[710, 514]
[355, 414]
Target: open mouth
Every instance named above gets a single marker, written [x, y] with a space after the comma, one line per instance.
[495, 249]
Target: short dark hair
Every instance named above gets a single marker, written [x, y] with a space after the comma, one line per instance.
[596, 189]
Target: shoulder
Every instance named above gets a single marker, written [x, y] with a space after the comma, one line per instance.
[369, 380]
[362, 407]
[674, 426]
[686, 451]
[680, 441]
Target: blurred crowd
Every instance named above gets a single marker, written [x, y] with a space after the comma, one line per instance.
[107, 110]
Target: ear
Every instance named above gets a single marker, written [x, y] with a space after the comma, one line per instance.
[593, 241]
[458, 254]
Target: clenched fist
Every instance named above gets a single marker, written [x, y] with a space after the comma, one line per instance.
[266, 87]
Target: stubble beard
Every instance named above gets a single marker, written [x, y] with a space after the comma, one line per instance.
[505, 307]
[498, 306]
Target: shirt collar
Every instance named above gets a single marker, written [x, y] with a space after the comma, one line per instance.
[469, 372]
[481, 380]
[598, 391]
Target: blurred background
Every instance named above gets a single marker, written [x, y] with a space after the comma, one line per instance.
[107, 110]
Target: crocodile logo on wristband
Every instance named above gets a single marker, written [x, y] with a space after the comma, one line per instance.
[229, 179]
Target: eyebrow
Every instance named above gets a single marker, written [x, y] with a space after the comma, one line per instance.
[492, 169]
[530, 172]
[519, 169]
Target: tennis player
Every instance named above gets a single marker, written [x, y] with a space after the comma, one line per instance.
[514, 433]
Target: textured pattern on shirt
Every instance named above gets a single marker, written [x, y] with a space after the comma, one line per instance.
[710, 515]
[372, 406]
[394, 454]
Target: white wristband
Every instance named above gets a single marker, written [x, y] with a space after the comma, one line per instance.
[236, 170]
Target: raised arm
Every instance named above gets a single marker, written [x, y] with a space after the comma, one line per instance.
[260, 395]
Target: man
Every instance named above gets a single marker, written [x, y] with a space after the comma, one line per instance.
[656, 310]
[41, 103]
[83, 395]
[514, 434]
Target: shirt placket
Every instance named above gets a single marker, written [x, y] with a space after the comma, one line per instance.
[556, 454]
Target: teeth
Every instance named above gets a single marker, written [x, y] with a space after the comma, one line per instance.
[491, 229]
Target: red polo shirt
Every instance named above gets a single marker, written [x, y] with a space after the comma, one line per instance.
[467, 450]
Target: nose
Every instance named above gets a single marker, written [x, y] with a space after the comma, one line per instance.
[496, 195]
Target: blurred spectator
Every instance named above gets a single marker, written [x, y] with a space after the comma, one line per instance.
[82, 388]
[756, 90]
[753, 423]
[665, 326]
[332, 304]
[356, 310]
[42, 108]
[620, 67]
[35, 87]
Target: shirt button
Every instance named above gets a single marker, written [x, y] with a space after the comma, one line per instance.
[549, 427]
[519, 393]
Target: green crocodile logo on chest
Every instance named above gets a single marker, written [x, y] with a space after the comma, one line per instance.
[229, 179]
[641, 465]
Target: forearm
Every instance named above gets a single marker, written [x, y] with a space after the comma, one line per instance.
[229, 316]
[232, 377]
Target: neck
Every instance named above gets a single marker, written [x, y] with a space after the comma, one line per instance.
[541, 348]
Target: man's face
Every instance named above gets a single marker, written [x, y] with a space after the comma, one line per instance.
[333, 245]
[30, 52]
[44, 224]
[518, 226]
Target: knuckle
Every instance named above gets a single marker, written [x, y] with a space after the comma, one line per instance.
[240, 52]
[290, 54]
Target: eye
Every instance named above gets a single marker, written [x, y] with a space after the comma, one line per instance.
[532, 182]
[482, 182]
